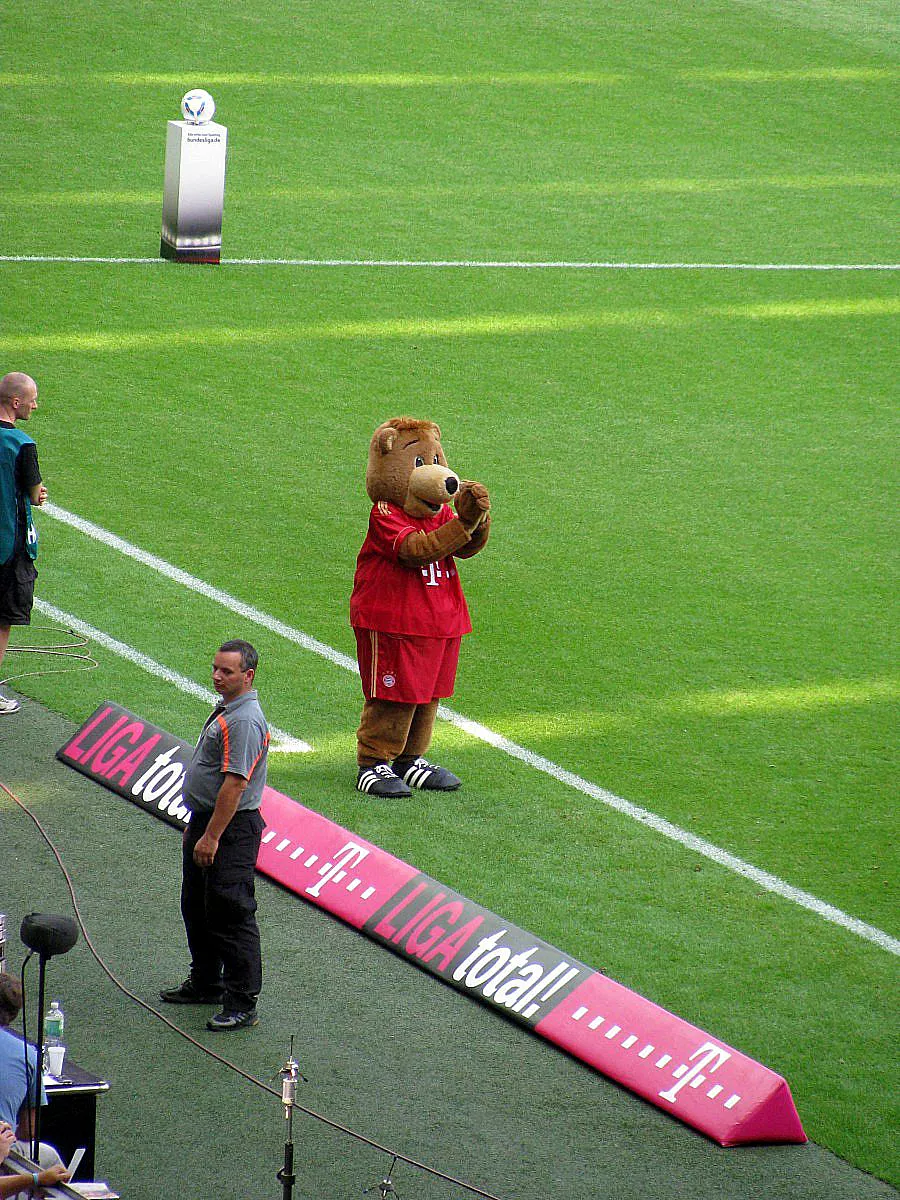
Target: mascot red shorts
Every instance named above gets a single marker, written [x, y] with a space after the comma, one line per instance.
[407, 670]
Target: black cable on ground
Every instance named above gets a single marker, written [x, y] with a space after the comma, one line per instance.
[59, 650]
[397, 1156]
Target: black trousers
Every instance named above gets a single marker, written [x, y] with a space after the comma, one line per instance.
[218, 904]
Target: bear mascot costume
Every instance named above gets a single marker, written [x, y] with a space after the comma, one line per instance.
[407, 608]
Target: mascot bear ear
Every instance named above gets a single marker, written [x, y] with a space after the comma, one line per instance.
[385, 437]
[385, 441]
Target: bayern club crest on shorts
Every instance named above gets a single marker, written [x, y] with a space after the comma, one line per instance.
[388, 680]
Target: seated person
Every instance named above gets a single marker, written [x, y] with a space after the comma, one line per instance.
[18, 1182]
[21, 1086]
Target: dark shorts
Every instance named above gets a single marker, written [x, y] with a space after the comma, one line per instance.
[405, 669]
[17, 591]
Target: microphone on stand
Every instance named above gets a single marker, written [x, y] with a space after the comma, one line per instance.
[290, 1073]
[386, 1187]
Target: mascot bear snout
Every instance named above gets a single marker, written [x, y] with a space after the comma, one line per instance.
[430, 487]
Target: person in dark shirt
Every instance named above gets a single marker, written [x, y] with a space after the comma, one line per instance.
[223, 787]
[20, 488]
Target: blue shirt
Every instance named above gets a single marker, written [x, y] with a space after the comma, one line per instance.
[13, 1085]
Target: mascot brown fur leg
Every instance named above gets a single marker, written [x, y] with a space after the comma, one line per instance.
[383, 731]
[420, 731]
[412, 766]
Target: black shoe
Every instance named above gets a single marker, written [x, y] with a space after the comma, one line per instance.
[189, 993]
[226, 1020]
[429, 777]
[381, 781]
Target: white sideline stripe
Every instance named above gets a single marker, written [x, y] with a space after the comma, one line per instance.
[283, 743]
[497, 264]
[771, 883]
[723, 858]
[197, 585]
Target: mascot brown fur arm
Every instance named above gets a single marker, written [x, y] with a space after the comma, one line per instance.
[462, 538]
[420, 548]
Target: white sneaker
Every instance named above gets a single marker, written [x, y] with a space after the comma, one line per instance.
[8, 705]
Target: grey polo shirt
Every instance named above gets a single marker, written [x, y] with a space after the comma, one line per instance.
[234, 741]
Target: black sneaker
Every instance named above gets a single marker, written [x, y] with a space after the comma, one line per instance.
[226, 1020]
[381, 781]
[429, 777]
[189, 993]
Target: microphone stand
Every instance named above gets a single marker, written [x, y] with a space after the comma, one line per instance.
[44, 935]
[386, 1187]
[39, 1045]
[290, 1073]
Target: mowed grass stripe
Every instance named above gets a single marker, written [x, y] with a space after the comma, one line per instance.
[675, 186]
[487, 325]
[763, 700]
[683, 837]
[438, 79]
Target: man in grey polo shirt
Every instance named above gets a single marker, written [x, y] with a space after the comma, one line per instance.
[223, 787]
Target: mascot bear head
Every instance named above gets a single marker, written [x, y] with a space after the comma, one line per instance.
[407, 467]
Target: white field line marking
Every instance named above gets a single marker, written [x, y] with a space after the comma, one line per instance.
[762, 879]
[198, 585]
[284, 743]
[771, 883]
[472, 264]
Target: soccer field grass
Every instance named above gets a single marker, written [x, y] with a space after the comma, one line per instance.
[689, 594]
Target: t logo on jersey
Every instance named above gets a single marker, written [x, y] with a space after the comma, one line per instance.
[432, 574]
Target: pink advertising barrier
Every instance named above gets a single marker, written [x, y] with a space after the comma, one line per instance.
[666, 1060]
[669, 1062]
[323, 863]
[676, 1066]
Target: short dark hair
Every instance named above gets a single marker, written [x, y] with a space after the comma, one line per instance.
[10, 999]
[249, 657]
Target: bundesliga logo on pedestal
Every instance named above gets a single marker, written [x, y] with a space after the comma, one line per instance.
[198, 107]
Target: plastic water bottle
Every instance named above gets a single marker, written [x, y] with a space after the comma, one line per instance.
[54, 1025]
